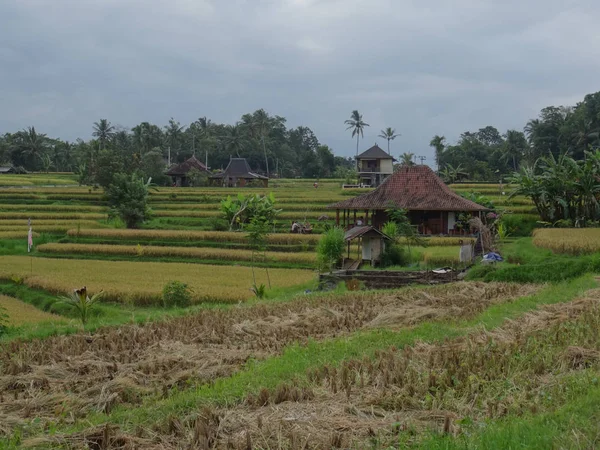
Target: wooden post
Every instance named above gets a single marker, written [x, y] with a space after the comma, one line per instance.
[337, 217]
[354, 217]
[348, 249]
[366, 217]
[442, 222]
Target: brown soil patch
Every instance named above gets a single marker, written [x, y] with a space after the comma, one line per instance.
[66, 377]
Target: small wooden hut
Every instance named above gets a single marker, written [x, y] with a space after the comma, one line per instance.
[371, 244]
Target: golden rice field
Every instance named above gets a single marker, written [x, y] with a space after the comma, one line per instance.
[203, 253]
[141, 283]
[21, 234]
[21, 313]
[185, 235]
[574, 241]
[51, 215]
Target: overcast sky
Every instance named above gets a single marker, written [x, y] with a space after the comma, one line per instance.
[422, 67]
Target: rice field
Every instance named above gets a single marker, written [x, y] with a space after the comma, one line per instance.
[200, 253]
[573, 241]
[191, 235]
[20, 313]
[141, 283]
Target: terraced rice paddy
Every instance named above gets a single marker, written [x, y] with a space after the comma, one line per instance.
[142, 283]
[20, 313]
[573, 241]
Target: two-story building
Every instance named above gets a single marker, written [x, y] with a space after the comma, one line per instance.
[374, 166]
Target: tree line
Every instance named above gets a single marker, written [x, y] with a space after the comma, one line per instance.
[263, 139]
[488, 155]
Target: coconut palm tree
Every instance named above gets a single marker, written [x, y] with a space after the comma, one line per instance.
[261, 126]
[235, 139]
[357, 125]
[407, 159]
[104, 131]
[439, 145]
[389, 134]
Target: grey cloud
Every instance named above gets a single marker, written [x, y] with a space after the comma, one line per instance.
[421, 67]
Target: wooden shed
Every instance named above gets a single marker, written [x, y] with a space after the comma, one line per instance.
[371, 244]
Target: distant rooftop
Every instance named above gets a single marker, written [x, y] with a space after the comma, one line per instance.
[374, 152]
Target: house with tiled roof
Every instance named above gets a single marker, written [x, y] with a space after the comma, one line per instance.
[179, 172]
[430, 204]
[374, 166]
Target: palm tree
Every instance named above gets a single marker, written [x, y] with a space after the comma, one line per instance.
[389, 134]
[357, 125]
[439, 144]
[32, 145]
[407, 159]
[261, 126]
[235, 139]
[514, 147]
[103, 130]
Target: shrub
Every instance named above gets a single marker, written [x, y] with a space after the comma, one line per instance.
[394, 255]
[128, 198]
[259, 290]
[330, 249]
[218, 224]
[176, 293]
[520, 224]
[82, 302]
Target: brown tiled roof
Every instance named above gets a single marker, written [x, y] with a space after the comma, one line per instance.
[185, 167]
[415, 188]
[375, 152]
[239, 168]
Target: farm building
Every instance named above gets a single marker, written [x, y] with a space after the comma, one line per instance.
[431, 205]
[7, 170]
[238, 174]
[179, 172]
[371, 244]
[374, 166]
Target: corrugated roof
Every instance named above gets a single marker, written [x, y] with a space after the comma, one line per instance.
[239, 168]
[415, 188]
[186, 166]
[356, 232]
[374, 152]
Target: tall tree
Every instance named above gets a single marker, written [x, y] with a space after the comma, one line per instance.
[357, 125]
[29, 148]
[514, 148]
[173, 137]
[262, 123]
[235, 140]
[104, 131]
[439, 144]
[389, 134]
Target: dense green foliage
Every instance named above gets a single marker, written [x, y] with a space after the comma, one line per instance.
[330, 249]
[264, 140]
[128, 199]
[563, 188]
[241, 209]
[488, 155]
[176, 293]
